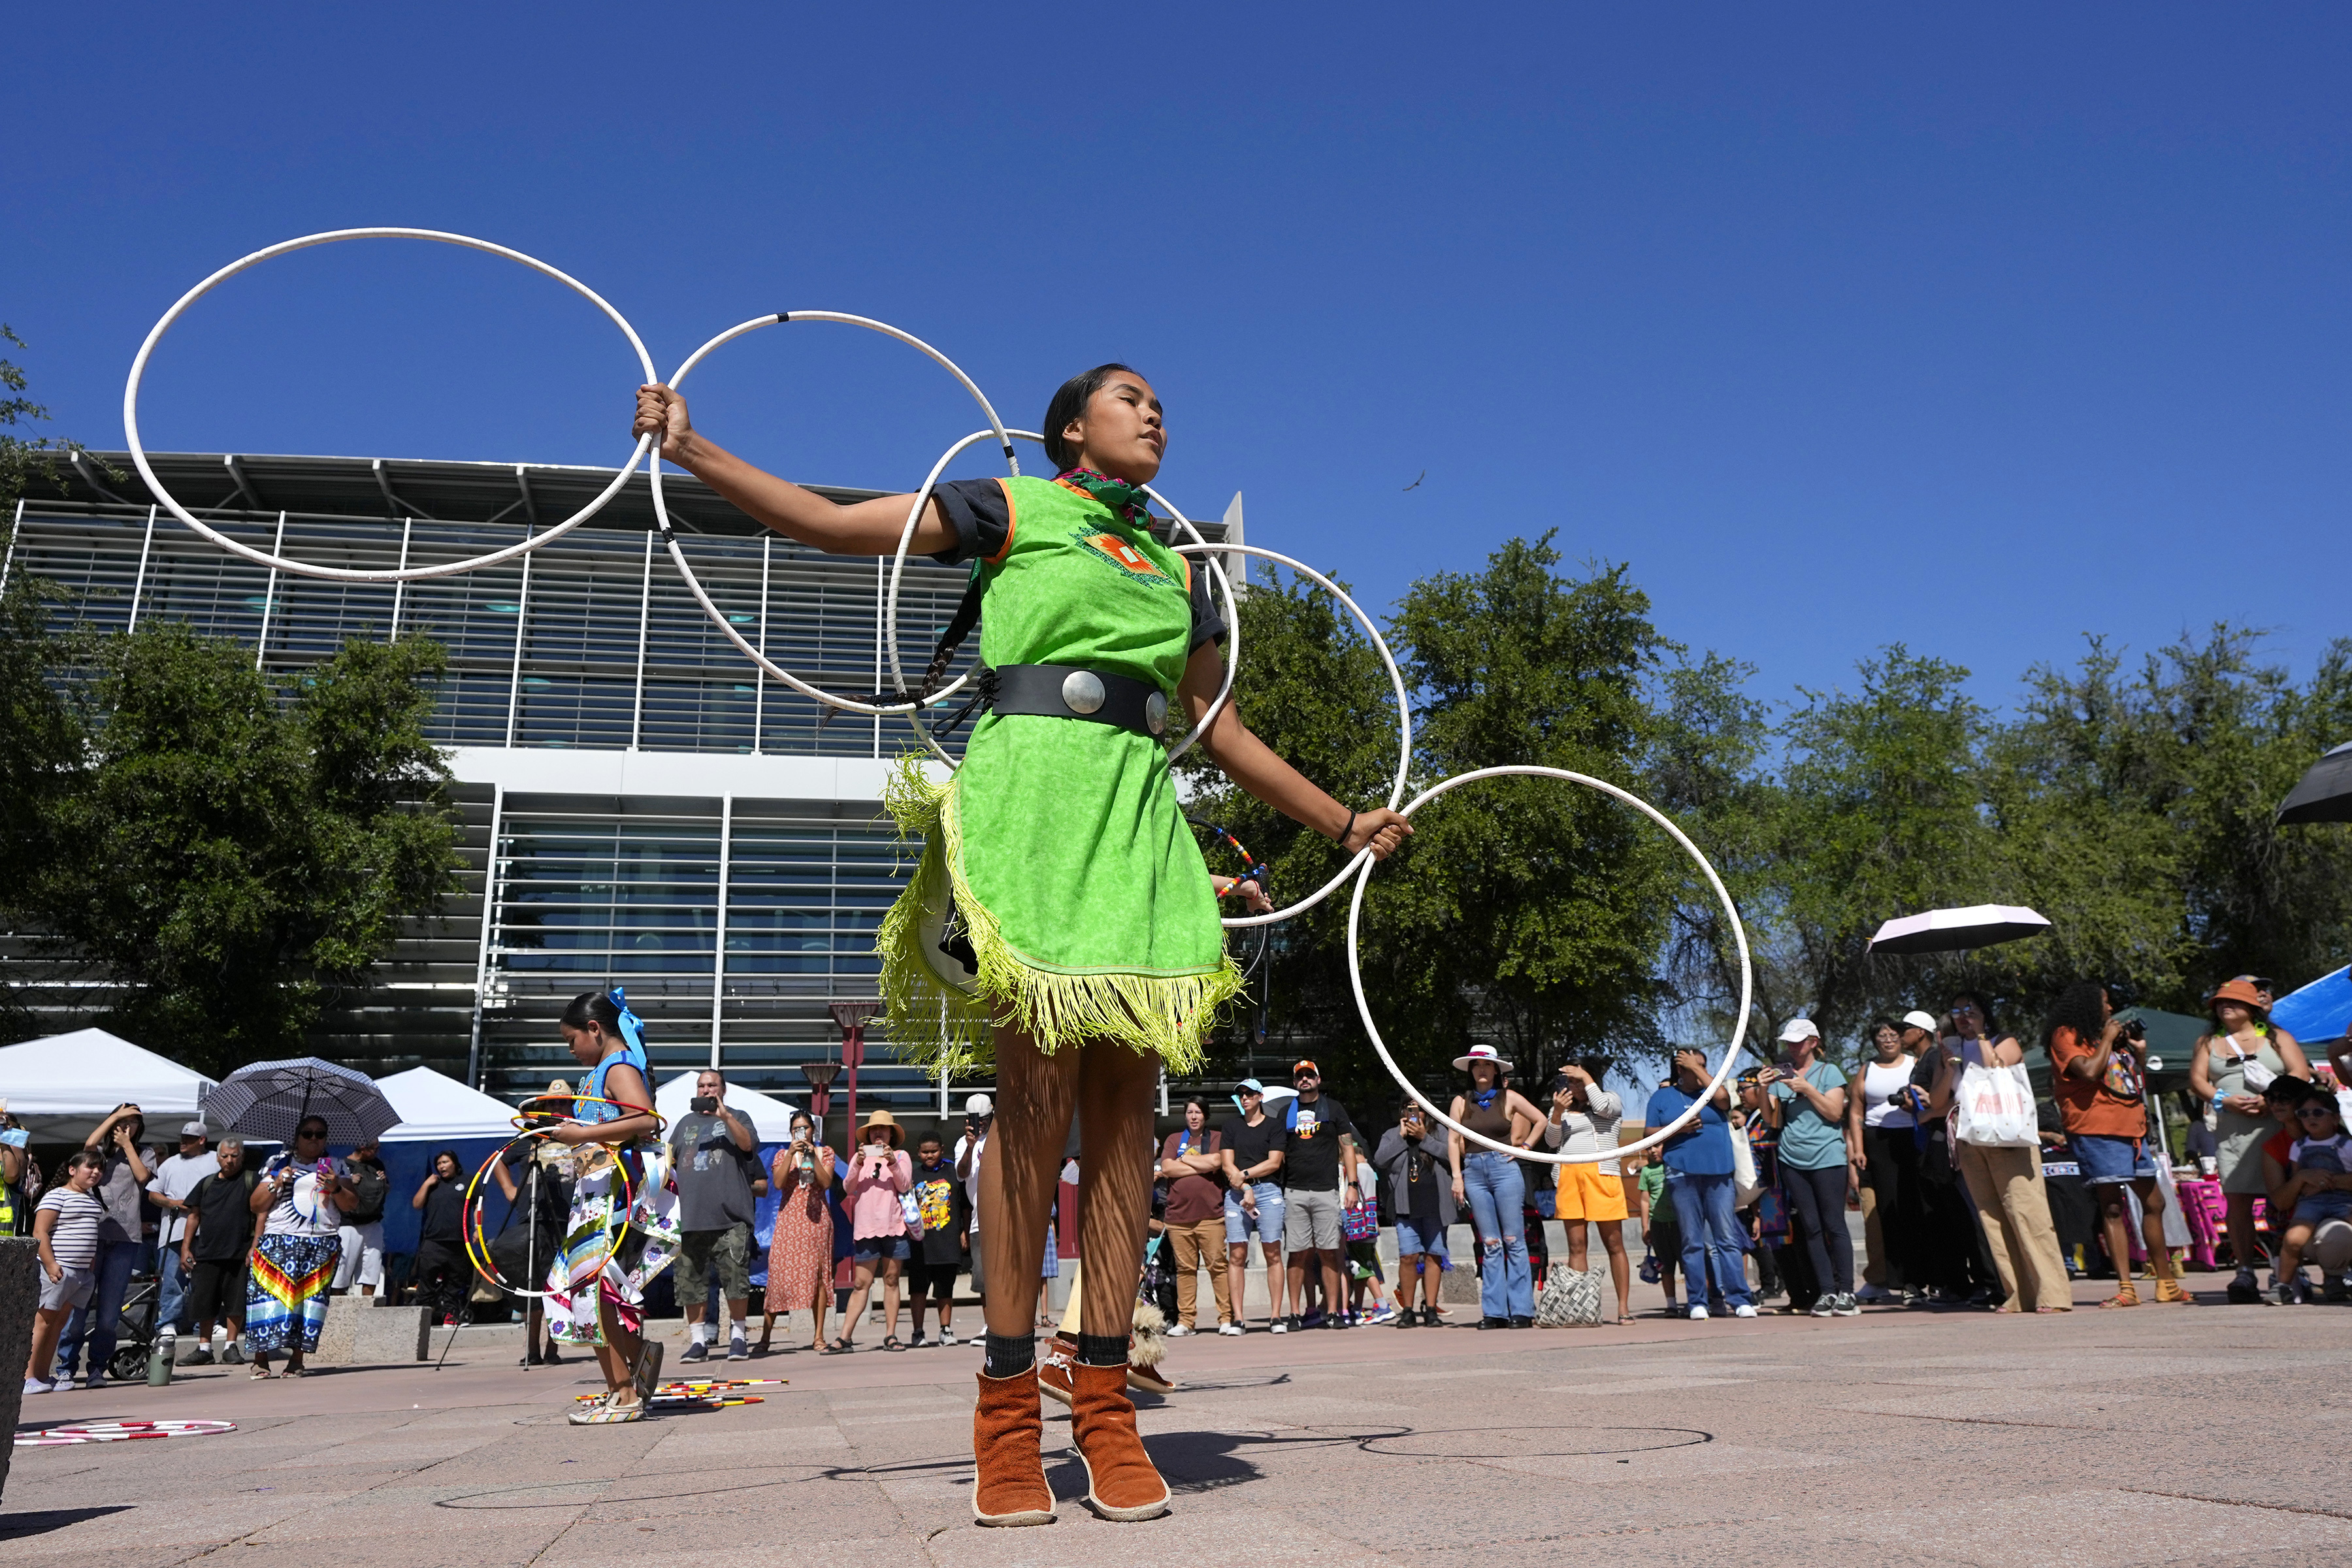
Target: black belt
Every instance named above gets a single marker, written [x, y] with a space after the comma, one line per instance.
[1068, 691]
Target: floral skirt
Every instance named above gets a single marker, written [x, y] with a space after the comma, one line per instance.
[800, 1257]
[286, 1293]
[622, 1233]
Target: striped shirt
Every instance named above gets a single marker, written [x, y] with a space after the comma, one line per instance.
[74, 1238]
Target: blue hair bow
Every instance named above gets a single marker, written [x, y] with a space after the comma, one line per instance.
[633, 1029]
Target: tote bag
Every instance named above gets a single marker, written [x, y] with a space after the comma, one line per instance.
[1569, 1300]
[1744, 1185]
[1994, 1108]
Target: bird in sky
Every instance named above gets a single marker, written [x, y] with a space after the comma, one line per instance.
[1416, 483]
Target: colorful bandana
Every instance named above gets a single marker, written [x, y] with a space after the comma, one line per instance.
[1122, 498]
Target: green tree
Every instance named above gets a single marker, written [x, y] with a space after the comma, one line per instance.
[227, 853]
[21, 457]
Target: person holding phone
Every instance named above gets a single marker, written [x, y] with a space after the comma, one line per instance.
[1415, 1161]
[715, 1157]
[1807, 1098]
[880, 1175]
[2099, 1067]
[1698, 1184]
[301, 1199]
[125, 1167]
[800, 1250]
[1584, 1121]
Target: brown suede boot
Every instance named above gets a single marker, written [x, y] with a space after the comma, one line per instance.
[1006, 1425]
[1122, 1483]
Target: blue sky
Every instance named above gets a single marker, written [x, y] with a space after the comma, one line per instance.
[1843, 326]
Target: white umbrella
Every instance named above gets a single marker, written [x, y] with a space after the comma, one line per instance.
[1956, 931]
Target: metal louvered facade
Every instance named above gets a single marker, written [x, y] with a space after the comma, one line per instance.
[637, 805]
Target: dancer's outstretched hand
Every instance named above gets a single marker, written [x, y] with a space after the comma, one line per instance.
[1381, 829]
[662, 413]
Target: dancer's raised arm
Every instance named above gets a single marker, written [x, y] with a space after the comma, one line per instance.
[861, 528]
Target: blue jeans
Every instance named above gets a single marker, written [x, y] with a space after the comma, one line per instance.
[1711, 1226]
[1497, 1196]
[171, 1287]
[96, 1322]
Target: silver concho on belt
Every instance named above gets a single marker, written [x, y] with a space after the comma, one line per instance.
[1155, 714]
[1082, 692]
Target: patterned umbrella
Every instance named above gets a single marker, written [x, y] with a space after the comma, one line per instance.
[269, 1100]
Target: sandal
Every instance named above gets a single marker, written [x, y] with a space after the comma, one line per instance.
[604, 1412]
[2169, 1293]
[892, 1343]
[839, 1347]
[2053, 1309]
[2126, 1297]
[258, 1373]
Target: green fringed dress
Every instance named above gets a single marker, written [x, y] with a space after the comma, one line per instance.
[1061, 840]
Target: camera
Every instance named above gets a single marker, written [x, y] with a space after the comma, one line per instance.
[706, 1105]
[2134, 1031]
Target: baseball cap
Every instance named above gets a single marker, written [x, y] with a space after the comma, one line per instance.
[980, 1105]
[194, 1130]
[1797, 1029]
[1248, 1086]
[1921, 1020]
[1299, 1066]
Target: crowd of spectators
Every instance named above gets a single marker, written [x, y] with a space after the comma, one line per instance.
[1933, 1172]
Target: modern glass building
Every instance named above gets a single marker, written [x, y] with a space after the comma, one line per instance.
[639, 805]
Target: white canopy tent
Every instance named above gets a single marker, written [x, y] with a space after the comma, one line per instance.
[63, 1086]
[770, 1119]
[436, 1108]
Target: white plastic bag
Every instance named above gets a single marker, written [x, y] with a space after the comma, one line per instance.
[1993, 1107]
[1744, 1185]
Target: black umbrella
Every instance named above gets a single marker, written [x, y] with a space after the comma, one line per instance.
[269, 1100]
[2323, 794]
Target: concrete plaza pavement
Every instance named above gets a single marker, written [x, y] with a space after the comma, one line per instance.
[2212, 1434]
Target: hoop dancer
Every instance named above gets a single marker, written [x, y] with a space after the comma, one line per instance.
[1082, 911]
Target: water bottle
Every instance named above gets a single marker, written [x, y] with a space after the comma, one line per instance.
[160, 1358]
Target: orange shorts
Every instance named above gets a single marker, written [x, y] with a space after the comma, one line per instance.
[1588, 1192]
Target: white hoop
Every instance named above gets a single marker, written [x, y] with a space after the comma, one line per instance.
[1738, 933]
[346, 573]
[694, 584]
[1362, 858]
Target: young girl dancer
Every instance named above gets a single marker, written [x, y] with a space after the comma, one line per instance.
[1075, 894]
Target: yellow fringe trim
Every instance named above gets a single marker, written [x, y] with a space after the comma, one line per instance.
[939, 1025]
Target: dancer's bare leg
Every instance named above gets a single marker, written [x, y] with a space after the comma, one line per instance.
[1018, 1172]
[1115, 1084]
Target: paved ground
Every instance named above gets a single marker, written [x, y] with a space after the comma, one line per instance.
[2215, 1434]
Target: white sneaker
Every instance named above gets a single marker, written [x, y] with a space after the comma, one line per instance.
[1229, 1329]
[1743, 1310]
[35, 1385]
[947, 1336]
[1281, 1325]
[1698, 1314]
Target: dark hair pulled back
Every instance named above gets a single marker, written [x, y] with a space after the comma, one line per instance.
[591, 1007]
[1071, 402]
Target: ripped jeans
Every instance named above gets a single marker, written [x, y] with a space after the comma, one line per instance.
[1498, 1197]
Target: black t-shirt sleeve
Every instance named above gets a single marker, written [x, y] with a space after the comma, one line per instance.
[978, 515]
[1208, 616]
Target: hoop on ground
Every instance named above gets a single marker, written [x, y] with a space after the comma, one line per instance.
[1362, 858]
[1738, 933]
[120, 1432]
[171, 502]
[694, 583]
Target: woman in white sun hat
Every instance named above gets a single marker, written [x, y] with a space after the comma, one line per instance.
[1491, 1185]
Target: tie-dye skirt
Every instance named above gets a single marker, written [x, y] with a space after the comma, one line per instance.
[613, 1245]
[286, 1295]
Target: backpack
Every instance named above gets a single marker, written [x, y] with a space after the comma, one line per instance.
[372, 1183]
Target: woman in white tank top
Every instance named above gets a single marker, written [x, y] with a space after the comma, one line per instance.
[1879, 1123]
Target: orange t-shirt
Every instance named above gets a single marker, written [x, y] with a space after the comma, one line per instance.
[2109, 1108]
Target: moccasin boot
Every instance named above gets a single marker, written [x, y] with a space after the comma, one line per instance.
[1122, 1483]
[1006, 1428]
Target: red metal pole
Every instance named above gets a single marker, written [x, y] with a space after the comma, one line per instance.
[853, 1051]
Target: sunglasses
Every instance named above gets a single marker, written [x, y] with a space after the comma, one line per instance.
[310, 1132]
[2315, 1110]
